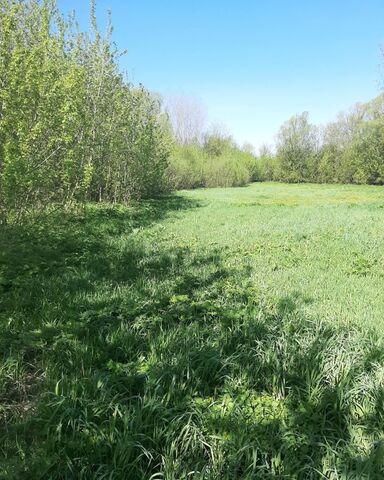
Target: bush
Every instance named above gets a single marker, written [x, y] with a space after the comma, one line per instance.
[186, 166]
[230, 169]
[192, 167]
[267, 168]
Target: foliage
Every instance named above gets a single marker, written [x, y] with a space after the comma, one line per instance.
[267, 168]
[193, 166]
[136, 345]
[71, 128]
[233, 168]
[349, 150]
[296, 149]
[186, 166]
[331, 167]
[217, 142]
[366, 154]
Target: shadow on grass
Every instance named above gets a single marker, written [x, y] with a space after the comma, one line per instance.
[127, 355]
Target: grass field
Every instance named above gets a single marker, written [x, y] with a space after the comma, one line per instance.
[213, 334]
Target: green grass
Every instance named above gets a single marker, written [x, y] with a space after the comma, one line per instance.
[214, 334]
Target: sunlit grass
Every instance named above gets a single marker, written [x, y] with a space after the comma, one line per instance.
[215, 334]
[325, 241]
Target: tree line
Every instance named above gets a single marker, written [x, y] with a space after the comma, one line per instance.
[348, 150]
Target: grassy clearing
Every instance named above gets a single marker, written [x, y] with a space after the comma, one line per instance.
[215, 334]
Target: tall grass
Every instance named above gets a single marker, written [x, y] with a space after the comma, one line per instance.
[137, 344]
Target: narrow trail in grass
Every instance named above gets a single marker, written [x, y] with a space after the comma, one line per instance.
[213, 334]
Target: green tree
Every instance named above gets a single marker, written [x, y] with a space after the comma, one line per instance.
[366, 154]
[297, 145]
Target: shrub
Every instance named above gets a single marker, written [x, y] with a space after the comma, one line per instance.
[186, 166]
[228, 170]
[192, 167]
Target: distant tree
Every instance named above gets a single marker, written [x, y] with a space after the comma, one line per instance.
[342, 131]
[297, 146]
[267, 164]
[187, 118]
[265, 150]
[330, 157]
[375, 108]
[343, 138]
[247, 147]
[217, 140]
[366, 154]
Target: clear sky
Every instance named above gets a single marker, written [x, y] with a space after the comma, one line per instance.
[252, 63]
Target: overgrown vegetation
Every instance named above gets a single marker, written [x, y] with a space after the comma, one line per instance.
[135, 345]
[71, 128]
[194, 166]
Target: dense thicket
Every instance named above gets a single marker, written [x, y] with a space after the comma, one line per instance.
[207, 165]
[349, 150]
[71, 127]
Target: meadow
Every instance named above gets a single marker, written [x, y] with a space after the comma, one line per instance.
[210, 334]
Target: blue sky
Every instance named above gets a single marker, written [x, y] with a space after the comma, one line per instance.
[253, 64]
